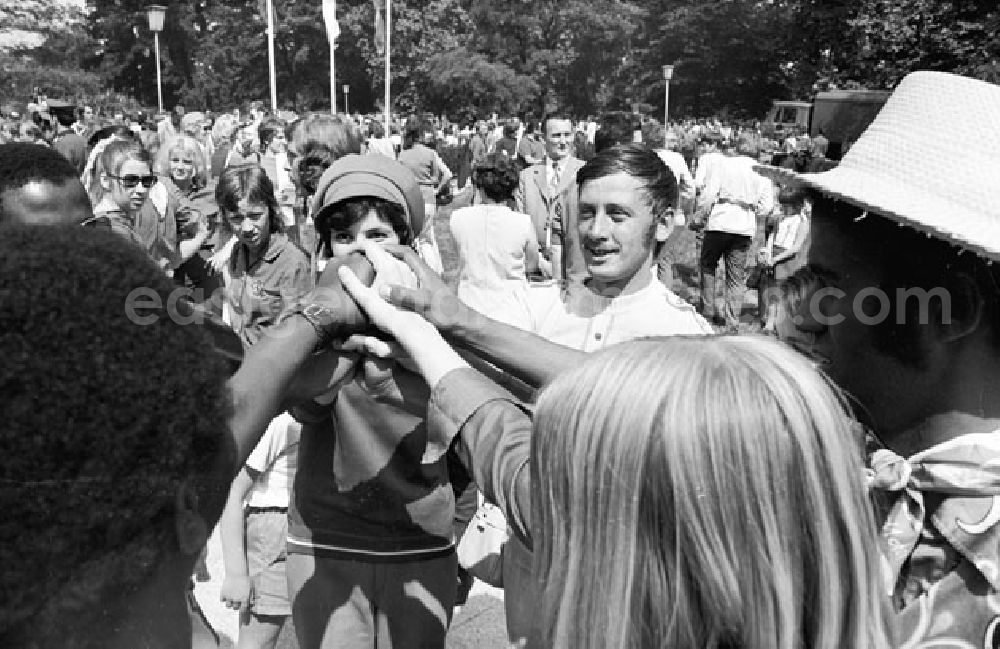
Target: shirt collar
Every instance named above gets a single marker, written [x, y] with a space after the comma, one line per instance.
[585, 301]
[560, 163]
[274, 249]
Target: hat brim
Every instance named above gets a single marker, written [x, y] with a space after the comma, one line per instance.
[905, 203]
[358, 187]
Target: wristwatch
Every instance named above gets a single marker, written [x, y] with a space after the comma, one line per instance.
[323, 320]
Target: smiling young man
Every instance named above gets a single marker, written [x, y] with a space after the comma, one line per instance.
[908, 324]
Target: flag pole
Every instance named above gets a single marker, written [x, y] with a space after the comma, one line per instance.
[332, 33]
[333, 79]
[388, 77]
[270, 57]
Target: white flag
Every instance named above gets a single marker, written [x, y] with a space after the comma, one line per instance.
[330, 18]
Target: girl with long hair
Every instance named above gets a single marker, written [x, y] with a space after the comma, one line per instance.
[123, 178]
[266, 272]
[679, 492]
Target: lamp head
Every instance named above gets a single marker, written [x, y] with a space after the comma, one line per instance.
[156, 15]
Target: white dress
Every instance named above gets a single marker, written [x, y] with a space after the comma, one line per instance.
[491, 240]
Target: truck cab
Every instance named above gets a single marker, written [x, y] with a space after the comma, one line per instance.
[785, 117]
[843, 115]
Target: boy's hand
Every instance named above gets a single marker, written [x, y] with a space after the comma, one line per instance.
[432, 355]
[388, 269]
[433, 300]
[236, 592]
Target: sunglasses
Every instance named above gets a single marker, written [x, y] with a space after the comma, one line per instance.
[131, 180]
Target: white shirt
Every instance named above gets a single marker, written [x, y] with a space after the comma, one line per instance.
[576, 317]
[550, 169]
[275, 458]
[740, 195]
[685, 181]
[705, 165]
[788, 230]
[381, 146]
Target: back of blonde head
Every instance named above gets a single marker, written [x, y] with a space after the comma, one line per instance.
[699, 493]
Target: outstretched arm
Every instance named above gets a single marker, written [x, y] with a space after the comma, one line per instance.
[522, 354]
[495, 428]
[266, 379]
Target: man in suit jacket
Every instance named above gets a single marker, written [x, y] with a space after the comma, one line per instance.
[548, 193]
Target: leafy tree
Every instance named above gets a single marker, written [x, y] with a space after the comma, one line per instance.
[577, 51]
[900, 36]
[466, 85]
[479, 56]
[126, 58]
[53, 48]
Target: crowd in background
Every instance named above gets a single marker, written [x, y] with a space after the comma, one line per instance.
[243, 320]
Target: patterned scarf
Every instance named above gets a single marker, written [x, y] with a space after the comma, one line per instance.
[967, 471]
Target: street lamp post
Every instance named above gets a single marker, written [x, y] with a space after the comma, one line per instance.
[668, 74]
[347, 90]
[156, 14]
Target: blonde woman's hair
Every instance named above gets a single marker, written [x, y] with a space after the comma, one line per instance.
[702, 493]
[190, 147]
[224, 128]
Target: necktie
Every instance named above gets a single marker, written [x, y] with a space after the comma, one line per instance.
[554, 179]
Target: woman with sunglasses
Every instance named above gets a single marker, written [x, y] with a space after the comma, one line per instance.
[124, 182]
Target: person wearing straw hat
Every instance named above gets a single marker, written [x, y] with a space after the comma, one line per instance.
[906, 233]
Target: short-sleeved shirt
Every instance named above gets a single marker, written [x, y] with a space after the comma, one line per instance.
[275, 459]
[427, 168]
[259, 296]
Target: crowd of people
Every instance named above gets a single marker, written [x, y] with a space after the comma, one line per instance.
[207, 321]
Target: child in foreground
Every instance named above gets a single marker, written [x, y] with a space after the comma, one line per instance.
[371, 554]
[254, 531]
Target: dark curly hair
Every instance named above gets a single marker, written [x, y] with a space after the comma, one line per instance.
[103, 420]
[348, 212]
[315, 141]
[22, 163]
[268, 128]
[496, 176]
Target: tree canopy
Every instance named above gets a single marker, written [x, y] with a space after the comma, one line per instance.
[470, 58]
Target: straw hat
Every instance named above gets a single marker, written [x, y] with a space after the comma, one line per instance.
[930, 161]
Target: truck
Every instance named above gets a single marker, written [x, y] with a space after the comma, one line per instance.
[841, 116]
